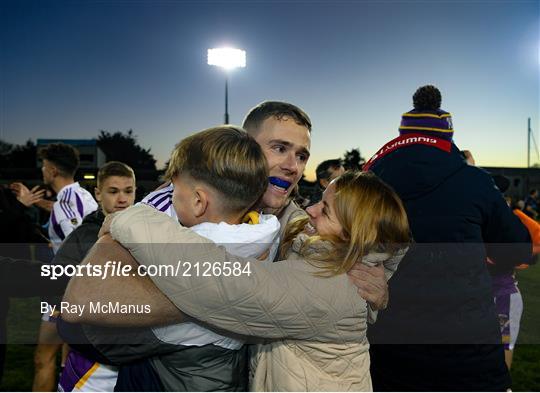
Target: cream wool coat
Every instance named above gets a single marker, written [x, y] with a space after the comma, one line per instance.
[318, 324]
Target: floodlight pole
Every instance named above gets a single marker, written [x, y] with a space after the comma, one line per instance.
[228, 59]
[226, 98]
[529, 142]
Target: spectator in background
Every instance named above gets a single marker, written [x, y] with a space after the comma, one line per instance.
[115, 191]
[326, 171]
[39, 201]
[25, 196]
[531, 204]
[506, 294]
[508, 303]
[16, 227]
[73, 203]
[442, 294]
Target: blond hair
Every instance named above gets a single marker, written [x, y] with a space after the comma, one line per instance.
[227, 159]
[373, 220]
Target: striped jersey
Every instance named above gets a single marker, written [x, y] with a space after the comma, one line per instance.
[73, 203]
[161, 200]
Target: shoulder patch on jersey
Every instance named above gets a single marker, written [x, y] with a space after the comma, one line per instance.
[74, 221]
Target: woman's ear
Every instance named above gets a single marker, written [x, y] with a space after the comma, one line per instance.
[344, 235]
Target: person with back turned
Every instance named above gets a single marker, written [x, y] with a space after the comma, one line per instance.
[441, 309]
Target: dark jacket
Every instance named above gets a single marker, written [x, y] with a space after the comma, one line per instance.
[75, 247]
[442, 294]
[20, 242]
[22, 278]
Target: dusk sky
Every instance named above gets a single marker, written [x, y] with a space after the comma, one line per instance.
[71, 68]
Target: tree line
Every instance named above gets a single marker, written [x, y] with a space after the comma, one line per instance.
[120, 146]
[117, 146]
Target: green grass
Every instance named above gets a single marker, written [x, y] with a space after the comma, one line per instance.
[526, 364]
[24, 320]
[23, 326]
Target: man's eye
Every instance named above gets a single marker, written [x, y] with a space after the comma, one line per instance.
[279, 148]
[302, 157]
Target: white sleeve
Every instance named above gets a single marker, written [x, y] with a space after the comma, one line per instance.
[67, 226]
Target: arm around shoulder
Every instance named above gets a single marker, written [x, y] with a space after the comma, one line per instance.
[99, 285]
[273, 300]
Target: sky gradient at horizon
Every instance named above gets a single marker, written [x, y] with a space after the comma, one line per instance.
[71, 68]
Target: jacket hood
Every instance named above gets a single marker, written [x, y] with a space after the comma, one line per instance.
[414, 171]
[371, 259]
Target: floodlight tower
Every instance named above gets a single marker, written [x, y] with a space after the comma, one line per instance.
[228, 59]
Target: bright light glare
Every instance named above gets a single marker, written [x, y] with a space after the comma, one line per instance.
[89, 177]
[227, 58]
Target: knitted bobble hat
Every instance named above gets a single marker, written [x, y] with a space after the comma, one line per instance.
[427, 117]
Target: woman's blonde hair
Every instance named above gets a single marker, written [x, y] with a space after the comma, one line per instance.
[373, 220]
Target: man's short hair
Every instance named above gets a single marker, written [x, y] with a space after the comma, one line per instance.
[227, 159]
[322, 170]
[64, 157]
[114, 168]
[278, 110]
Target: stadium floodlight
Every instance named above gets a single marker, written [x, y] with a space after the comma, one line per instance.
[228, 59]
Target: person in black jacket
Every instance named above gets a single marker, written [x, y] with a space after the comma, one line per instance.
[440, 331]
[19, 275]
[22, 278]
[115, 191]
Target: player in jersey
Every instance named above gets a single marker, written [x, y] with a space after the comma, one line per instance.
[73, 203]
[115, 191]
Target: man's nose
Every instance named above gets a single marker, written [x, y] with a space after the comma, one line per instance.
[122, 198]
[291, 163]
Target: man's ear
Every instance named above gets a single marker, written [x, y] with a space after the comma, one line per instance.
[54, 171]
[200, 202]
[97, 194]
